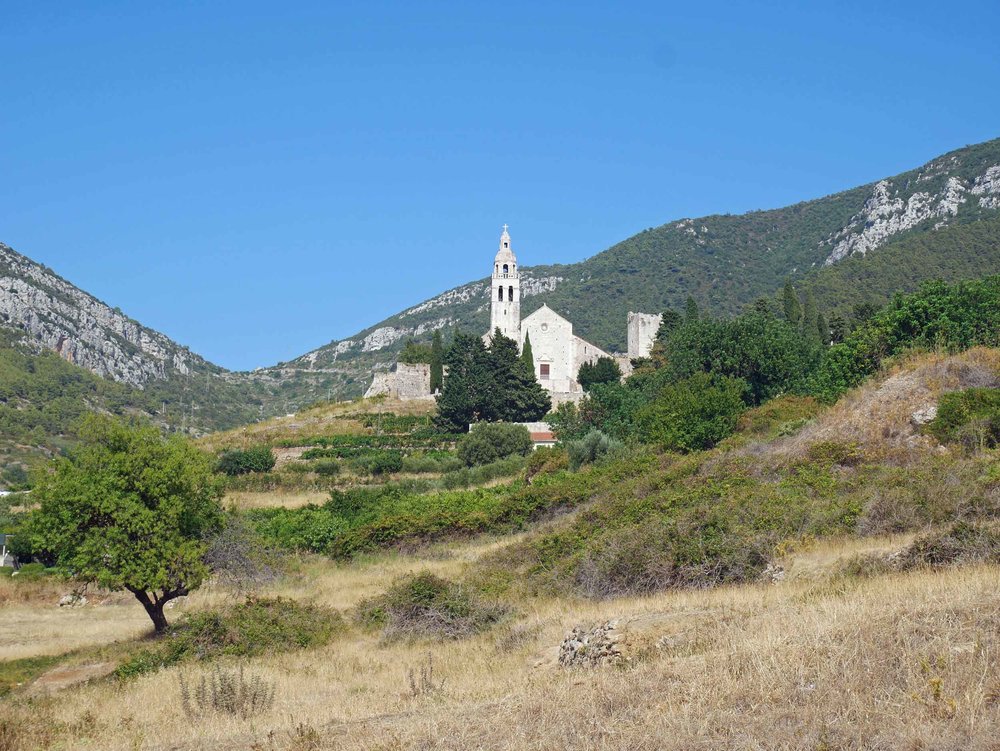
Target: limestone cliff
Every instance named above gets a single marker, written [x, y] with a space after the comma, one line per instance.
[83, 330]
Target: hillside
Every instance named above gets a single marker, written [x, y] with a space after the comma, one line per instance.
[939, 220]
[861, 245]
[860, 607]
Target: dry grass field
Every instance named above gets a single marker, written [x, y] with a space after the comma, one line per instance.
[817, 661]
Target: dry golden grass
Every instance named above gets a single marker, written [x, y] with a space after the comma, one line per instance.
[902, 661]
[877, 415]
[243, 500]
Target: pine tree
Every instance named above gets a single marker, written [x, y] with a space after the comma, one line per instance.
[527, 356]
[690, 310]
[437, 362]
[790, 304]
[669, 321]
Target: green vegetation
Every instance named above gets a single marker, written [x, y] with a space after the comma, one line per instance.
[591, 448]
[244, 461]
[489, 384]
[257, 626]
[490, 442]
[970, 417]
[694, 413]
[605, 370]
[128, 509]
[426, 605]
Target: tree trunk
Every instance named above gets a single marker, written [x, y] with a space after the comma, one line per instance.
[154, 609]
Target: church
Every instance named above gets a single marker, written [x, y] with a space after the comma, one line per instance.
[557, 352]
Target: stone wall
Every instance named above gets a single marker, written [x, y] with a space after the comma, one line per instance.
[403, 382]
[641, 333]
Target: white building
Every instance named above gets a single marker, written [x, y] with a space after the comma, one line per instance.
[557, 352]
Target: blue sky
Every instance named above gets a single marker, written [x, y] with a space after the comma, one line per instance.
[257, 179]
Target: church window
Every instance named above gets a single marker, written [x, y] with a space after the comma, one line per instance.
[500, 293]
[510, 293]
[505, 269]
[543, 371]
[506, 245]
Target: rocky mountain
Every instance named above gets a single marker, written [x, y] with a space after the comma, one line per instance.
[939, 220]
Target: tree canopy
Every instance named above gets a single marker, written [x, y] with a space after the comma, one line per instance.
[488, 384]
[130, 509]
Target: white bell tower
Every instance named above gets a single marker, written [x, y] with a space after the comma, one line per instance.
[505, 292]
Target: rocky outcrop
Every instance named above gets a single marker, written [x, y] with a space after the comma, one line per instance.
[80, 328]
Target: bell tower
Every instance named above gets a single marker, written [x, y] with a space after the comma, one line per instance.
[505, 291]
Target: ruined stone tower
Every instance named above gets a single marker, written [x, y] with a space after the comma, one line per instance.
[505, 310]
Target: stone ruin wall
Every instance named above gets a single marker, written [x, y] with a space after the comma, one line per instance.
[642, 329]
[403, 382]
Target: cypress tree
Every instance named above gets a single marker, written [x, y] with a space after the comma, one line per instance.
[823, 329]
[437, 362]
[790, 304]
[527, 356]
[690, 310]
[809, 314]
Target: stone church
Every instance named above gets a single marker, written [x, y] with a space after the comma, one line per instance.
[557, 352]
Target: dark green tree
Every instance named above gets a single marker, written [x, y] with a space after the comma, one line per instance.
[790, 304]
[437, 362]
[669, 321]
[517, 397]
[838, 328]
[605, 370]
[129, 509]
[413, 353]
[527, 356]
[690, 309]
[466, 395]
[822, 329]
[809, 315]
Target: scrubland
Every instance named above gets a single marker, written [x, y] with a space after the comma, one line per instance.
[827, 578]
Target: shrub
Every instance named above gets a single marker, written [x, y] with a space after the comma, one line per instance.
[961, 543]
[257, 626]
[546, 460]
[379, 463]
[836, 452]
[228, 692]
[654, 556]
[590, 448]
[970, 417]
[244, 461]
[694, 413]
[240, 558]
[325, 467]
[488, 442]
[427, 605]
[605, 370]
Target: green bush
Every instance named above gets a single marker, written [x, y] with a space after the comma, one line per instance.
[970, 417]
[488, 442]
[694, 413]
[379, 463]
[590, 448]
[961, 543]
[426, 605]
[464, 477]
[257, 626]
[325, 467]
[244, 461]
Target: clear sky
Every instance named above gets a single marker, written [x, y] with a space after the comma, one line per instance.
[256, 179]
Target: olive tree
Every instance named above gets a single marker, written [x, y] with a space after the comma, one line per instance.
[130, 509]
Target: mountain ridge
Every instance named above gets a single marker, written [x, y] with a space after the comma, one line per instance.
[927, 219]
